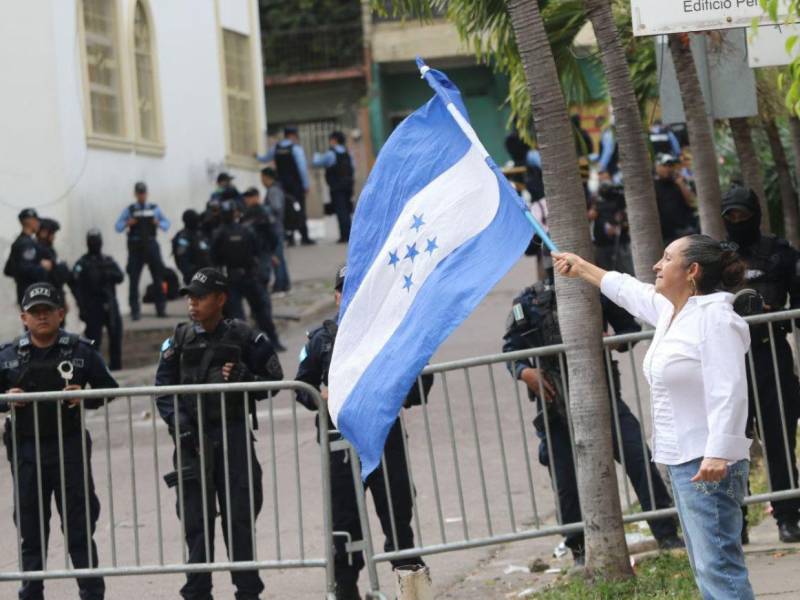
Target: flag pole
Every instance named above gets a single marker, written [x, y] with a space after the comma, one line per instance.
[427, 75]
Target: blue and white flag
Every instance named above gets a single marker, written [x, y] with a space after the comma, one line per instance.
[436, 227]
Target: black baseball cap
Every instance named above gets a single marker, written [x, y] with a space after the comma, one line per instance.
[204, 282]
[222, 177]
[338, 283]
[27, 213]
[41, 293]
[251, 191]
[140, 187]
[269, 172]
[742, 198]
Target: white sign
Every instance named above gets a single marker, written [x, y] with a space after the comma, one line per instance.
[767, 46]
[654, 17]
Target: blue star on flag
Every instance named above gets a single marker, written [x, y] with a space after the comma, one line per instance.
[431, 246]
[408, 283]
[418, 222]
[393, 259]
[411, 252]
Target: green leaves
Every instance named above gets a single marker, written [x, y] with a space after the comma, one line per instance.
[789, 81]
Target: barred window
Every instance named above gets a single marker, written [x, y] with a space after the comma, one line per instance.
[146, 104]
[239, 91]
[103, 67]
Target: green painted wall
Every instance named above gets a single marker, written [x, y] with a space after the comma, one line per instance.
[395, 95]
[484, 95]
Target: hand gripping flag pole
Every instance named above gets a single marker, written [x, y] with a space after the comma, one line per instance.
[473, 137]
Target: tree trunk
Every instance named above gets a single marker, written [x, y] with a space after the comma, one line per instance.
[704, 155]
[750, 165]
[794, 128]
[640, 195]
[578, 304]
[788, 196]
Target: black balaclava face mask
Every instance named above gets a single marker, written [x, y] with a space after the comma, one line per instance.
[191, 220]
[745, 233]
[94, 243]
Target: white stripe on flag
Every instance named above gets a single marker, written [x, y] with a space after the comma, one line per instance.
[455, 207]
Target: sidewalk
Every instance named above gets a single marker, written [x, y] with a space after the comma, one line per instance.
[773, 565]
[507, 572]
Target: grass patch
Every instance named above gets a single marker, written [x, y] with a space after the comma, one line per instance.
[664, 577]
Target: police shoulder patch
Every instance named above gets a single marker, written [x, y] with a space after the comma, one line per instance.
[303, 354]
[166, 344]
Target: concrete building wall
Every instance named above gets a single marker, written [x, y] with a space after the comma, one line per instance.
[47, 162]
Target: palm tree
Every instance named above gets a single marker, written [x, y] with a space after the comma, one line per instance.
[639, 192]
[750, 166]
[514, 38]
[706, 170]
[578, 307]
[770, 108]
[788, 195]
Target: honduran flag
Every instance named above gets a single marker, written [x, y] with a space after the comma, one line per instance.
[436, 227]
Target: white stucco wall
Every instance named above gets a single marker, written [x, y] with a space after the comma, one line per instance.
[44, 158]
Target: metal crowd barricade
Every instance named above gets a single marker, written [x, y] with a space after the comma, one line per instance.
[133, 502]
[475, 481]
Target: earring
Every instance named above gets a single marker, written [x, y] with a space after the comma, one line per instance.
[693, 285]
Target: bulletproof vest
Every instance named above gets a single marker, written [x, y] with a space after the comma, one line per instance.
[331, 328]
[197, 246]
[288, 171]
[535, 318]
[235, 248]
[92, 281]
[145, 227]
[201, 361]
[339, 177]
[43, 376]
[763, 273]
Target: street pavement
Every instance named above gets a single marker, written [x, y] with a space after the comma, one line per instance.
[292, 497]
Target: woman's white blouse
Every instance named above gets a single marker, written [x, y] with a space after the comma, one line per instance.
[696, 371]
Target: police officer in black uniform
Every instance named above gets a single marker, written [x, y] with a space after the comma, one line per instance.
[211, 218]
[96, 277]
[190, 246]
[260, 219]
[46, 358]
[142, 219]
[293, 179]
[60, 275]
[26, 263]
[533, 323]
[212, 349]
[315, 360]
[340, 177]
[236, 250]
[772, 271]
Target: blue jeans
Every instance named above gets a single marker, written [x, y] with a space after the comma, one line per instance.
[711, 518]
